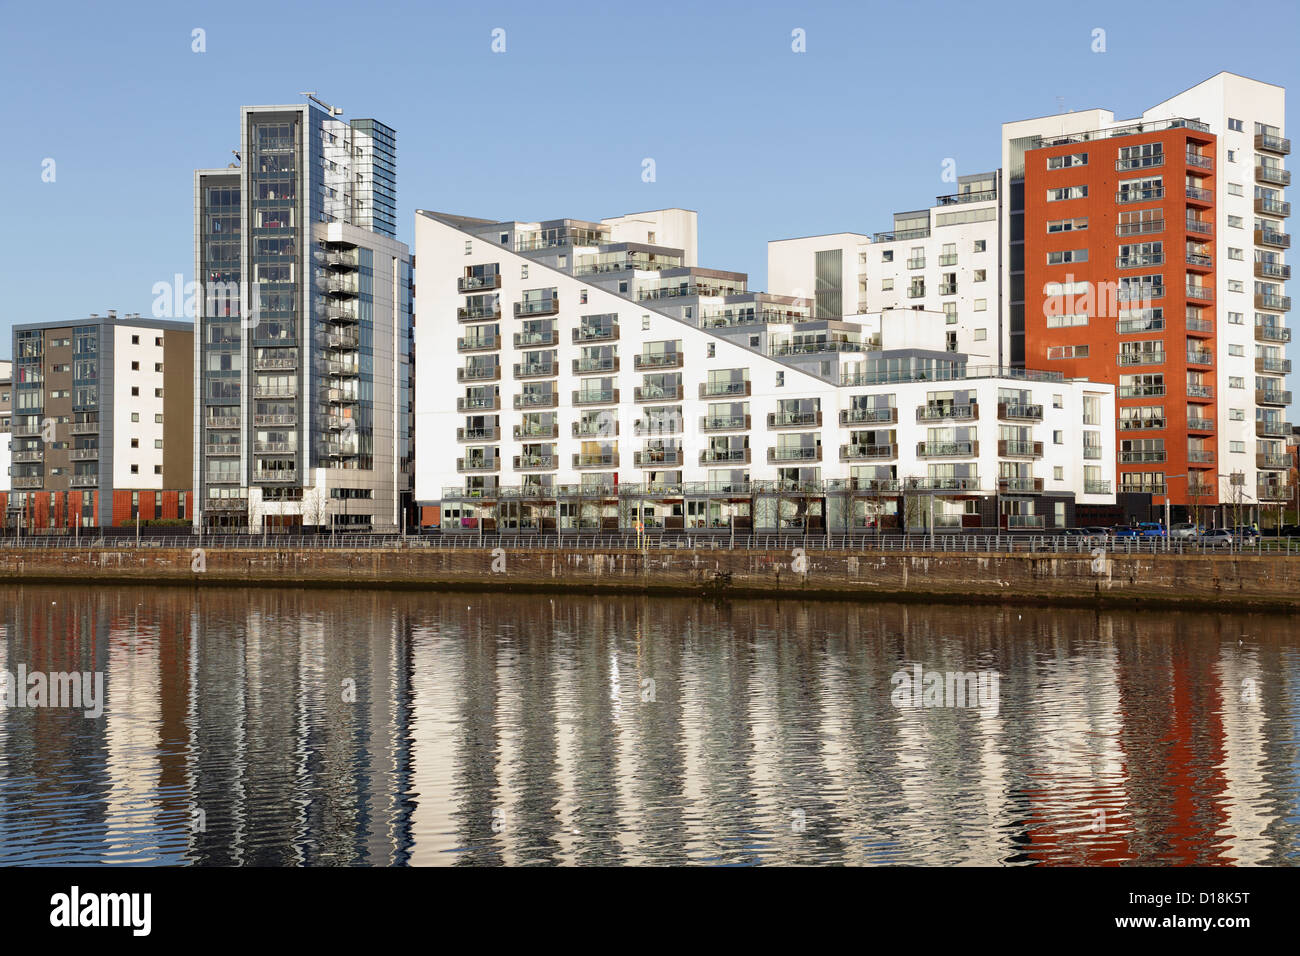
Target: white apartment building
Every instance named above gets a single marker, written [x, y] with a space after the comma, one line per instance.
[591, 376]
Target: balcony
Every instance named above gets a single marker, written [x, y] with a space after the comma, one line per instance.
[934, 413]
[1272, 207]
[1275, 240]
[795, 454]
[1200, 357]
[1199, 196]
[917, 262]
[1140, 195]
[275, 364]
[1016, 412]
[1136, 262]
[1273, 175]
[1273, 491]
[274, 448]
[595, 334]
[595, 396]
[341, 314]
[1140, 228]
[1201, 227]
[1141, 358]
[1196, 424]
[482, 283]
[1143, 457]
[82, 481]
[1199, 326]
[537, 307]
[528, 340]
[1200, 261]
[947, 449]
[1272, 396]
[341, 285]
[536, 369]
[1194, 391]
[479, 373]
[857, 452]
[658, 425]
[1273, 462]
[478, 313]
[275, 391]
[725, 389]
[1200, 293]
[657, 458]
[730, 424]
[1019, 449]
[1146, 323]
[1277, 303]
[947, 288]
[875, 416]
[1093, 452]
[1273, 366]
[224, 504]
[223, 450]
[478, 464]
[342, 340]
[350, 369]
[601, 460]
[1142, 391]
[778, 420]
[725, 456]
[1020, 486]
[1268, 333]
[1199, 160]
[1272, 270]
[657, 393]
[603, 426]
[1270, 143]
[657, 360]
[484, 433]
[916, 292]
[1271, 428]
[1096, 487]
[37, 454]
[480, 344]
[535, 462]
[537, 400]
[942, 484]
[289, 419]
[593, 366]
[92, 428]
[490, 403]
[1200, 456]
[874, 486]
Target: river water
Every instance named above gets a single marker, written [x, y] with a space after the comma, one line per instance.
[265, 727]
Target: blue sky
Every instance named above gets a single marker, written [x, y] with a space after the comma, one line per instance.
[763, 142]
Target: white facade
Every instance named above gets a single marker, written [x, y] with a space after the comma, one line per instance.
[744, 402]
[137, 407]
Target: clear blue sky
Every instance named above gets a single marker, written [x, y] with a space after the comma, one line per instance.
[763, 142]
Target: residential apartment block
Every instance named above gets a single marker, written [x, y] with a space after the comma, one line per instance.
[581, 376]
[1144, 253]
[101, 430]
[304, 332]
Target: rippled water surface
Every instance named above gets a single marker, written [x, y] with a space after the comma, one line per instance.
[330, 727]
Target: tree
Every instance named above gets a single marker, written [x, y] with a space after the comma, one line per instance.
[313, 508]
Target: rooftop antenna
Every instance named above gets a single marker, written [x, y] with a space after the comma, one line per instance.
[332, 110]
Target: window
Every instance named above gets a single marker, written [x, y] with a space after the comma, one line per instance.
[1237, 351]
[135, 469]
[1232, 155]
[157, 366]
[135, 366]
[1067, 320]
[1058, 473]
[135, 416]
[1235, 254]
[157, 393]
[980, 245]
[887, 255]
[1061, 256]
[1234, 285]
[523, 271]
[780, 379]
[981, 305]
[1068, 160]
[582, 297]
[1237, 414]
[712, 350]
[1234, 189]
[135, 340]
[469, 247]
[1237, 447]
[135, 443]
[1067, 192]
[1091, 410]
[887, 285]
[1058, 401]
[135, 390]
[645, 323]
[505, 238]
[1236, 381]
[158, 419]
[1234, 222]
[1058, 352]
[1236, 318]
[158, 341]
[1235, 125]
[157, 443]
[157, 469]
[981, 335]
[981, 275]
[1058, 437]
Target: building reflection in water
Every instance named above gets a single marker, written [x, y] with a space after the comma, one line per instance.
[269, 727]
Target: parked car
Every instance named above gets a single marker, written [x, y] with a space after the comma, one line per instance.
[1291, 530]
[1185, 530]
[1216, 538]
[1124, 531]
[1151, 529]
[1098, 532]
